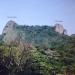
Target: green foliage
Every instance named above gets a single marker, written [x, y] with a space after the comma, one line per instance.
[43, 61]
[39, 51]
[39, 35]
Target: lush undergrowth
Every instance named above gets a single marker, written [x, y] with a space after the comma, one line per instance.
[26, 59]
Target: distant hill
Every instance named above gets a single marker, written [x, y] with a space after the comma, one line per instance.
[36, 35]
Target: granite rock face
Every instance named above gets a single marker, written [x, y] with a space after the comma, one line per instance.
[9, 32]
[60, 29]
[9, 26]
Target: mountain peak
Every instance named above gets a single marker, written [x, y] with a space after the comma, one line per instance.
[11, 23]
[60, 29]
[9, 26]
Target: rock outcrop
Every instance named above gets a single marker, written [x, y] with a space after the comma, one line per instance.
[9, 32]
[9, 26]
[60, 29]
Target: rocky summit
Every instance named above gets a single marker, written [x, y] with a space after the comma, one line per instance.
[9, 32]
[9, 26]
[60, 29]
[37, 35]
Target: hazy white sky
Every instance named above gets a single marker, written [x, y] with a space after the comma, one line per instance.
[38, 12]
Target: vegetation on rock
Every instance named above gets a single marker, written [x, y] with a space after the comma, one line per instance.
[37, 50]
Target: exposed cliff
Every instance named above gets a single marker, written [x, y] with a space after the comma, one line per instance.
[9, 32]
[60, 29]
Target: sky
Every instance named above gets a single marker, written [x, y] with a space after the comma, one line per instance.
[38, 12]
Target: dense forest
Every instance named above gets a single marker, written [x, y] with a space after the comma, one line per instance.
[36, 50]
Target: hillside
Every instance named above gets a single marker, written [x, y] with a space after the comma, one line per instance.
[36, 35]
[36, 50]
